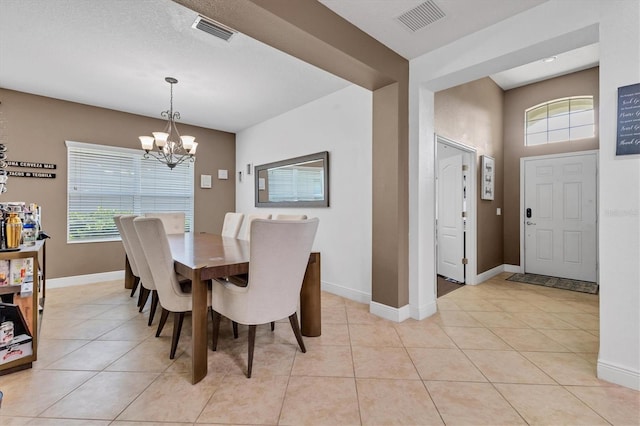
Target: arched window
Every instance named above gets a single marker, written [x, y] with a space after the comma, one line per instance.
[560, 120]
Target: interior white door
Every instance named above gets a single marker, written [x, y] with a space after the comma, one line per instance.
[560, 217]
[450, 227]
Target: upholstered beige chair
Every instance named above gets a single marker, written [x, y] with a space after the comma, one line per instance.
[146, 280]
[127, 250]
[290, 217]
[279, 253]
[245, 229]
[172, 297]
[173, 222]
[232, 224]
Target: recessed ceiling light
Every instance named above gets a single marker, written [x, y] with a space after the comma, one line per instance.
[550, 59]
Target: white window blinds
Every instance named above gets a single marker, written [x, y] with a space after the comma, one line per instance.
[104, 181]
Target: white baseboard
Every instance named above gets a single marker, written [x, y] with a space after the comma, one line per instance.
[387, 312]
[348, 293]
[619, 375]
[489, 274]
[424, 311]
[514, 269]
[84, 279]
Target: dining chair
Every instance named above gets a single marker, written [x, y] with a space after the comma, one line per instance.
[172, 296]
[231, 225]
[146, 280]
[173, 221]
[245, 229]
[127, 251]
[290, 217]
[279, 253]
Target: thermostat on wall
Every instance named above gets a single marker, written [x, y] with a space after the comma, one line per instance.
[223, 174]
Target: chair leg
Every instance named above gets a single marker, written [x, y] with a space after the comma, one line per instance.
[273, 325]
[178, 317]
[154, 305]
[235, 329]
[252, 343]
[144, 295]
[136, 281]
[163, 320]
[215, 319]
[140, 296]
[293, 319]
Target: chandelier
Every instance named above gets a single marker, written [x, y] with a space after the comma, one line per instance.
[171, 148]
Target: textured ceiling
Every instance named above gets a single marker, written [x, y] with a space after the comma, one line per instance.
[115, 54]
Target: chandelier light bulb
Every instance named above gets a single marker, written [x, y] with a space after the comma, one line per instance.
[147, 142]
[187, 142]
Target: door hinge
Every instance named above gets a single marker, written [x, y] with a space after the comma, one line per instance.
[464, 214]
[465, 261]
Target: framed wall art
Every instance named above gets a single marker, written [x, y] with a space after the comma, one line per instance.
[488, 177]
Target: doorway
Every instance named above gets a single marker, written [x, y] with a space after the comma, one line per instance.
[455, 215]
[559, 210]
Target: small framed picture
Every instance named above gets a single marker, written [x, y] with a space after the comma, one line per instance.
[488, 177]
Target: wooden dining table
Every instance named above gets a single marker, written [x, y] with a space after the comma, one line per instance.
[202, 257]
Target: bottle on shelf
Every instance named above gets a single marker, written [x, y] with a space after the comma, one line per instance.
[29, 230]
[14, 230]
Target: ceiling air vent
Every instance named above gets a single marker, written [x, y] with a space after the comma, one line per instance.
[213, 28]
[420, 16]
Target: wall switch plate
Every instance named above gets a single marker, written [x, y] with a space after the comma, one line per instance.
[498, 211]
[205, 181]
[223, 174]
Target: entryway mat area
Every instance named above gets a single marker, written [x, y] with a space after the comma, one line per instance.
[555, 282]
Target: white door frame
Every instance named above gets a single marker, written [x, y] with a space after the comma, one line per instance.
[522, 218]
[470, 232]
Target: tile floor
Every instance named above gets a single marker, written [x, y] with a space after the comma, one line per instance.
[500, 353]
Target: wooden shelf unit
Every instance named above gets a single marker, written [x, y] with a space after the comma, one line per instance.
[37, 299]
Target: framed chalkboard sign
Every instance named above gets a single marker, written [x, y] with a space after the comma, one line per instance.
[628, 140]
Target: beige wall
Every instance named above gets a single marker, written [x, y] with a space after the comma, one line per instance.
[35, 129]
[472, 114]
[516, 101]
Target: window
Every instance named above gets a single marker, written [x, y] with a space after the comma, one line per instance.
[560, 120]
[104, 181]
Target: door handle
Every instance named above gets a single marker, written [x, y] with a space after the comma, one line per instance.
[530, 223]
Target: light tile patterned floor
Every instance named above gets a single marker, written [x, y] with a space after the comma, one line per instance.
[500, 353]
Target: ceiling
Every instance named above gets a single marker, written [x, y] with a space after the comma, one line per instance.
[115, 54]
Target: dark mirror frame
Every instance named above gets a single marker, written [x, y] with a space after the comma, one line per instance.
[324, 156]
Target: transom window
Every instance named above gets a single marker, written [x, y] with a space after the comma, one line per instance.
[104, 181]
[561, 120]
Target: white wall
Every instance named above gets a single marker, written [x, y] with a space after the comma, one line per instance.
[619, 180]
[551, 28]
[340, 123]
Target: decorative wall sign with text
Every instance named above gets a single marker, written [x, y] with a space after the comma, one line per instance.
[30, 165]
[628, 141]
[40, 175]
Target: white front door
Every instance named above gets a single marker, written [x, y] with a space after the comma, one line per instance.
[450, 222]
[560, 216]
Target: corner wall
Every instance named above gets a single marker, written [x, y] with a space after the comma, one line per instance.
[35, 129]
[340, 123]
[619, 214]
[472, 114]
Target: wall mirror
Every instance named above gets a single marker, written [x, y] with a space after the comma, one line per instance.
[296, 182]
